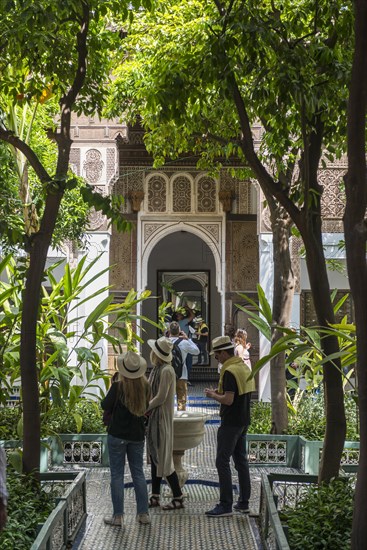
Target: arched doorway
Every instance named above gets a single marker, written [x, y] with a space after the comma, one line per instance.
[191, 259]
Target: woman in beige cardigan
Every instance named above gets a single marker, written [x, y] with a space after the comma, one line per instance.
[160, 425]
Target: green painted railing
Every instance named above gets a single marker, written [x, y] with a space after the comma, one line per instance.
[277, 491]
[63, 524]
[292, 451]
[14, 444]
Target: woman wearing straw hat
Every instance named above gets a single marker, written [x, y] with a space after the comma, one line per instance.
[160, 426]
[128, 400]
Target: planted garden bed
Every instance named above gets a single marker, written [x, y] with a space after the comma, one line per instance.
[297, 514]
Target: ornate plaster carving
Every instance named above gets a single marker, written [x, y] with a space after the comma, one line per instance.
[242, 256]
[157, 194]
[93, 166]
[206, 194]
[181, 194]
[333, 198]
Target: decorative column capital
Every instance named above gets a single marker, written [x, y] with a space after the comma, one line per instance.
[225, 197]
[135, 198]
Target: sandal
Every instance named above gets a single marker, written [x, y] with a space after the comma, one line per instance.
[175, 504]
[154, 501]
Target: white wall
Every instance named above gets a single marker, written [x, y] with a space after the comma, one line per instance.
[99, 245]
[336, 280]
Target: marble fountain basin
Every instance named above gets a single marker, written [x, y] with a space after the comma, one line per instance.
[188, 429]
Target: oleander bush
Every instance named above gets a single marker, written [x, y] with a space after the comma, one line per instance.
[323, 518]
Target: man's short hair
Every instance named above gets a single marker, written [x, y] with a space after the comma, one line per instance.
[174, 328]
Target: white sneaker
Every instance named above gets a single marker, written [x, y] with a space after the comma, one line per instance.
[143, 518]
[117, 521]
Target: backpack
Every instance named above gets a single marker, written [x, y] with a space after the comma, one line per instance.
[177, 362]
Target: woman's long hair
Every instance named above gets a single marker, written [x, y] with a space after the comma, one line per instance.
[240, 337]
[135, 393]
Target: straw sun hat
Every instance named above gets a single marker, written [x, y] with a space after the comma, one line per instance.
[131, 365]
[162, 348]
[221, 343]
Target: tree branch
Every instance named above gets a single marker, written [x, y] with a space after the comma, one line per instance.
[63, 137]
[17, 143]
[218, 139]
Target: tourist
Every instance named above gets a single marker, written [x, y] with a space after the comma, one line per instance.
[234, 395]
[242, 347]
[186, 347]
[3, 491]
[202, 332]
[185, 321]
[160, 425]
[128, 400]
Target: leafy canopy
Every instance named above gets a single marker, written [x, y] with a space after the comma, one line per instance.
[290, 60]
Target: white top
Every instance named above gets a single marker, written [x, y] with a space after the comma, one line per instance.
[186, 346]
[244, 353]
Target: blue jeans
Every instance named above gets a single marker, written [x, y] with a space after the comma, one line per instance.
[231, 442]
[117, 450]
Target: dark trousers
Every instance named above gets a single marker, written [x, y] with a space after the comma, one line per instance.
[203, 357]
[172, 481]
[231, 442]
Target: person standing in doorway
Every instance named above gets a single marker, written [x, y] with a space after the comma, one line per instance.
[128, 399]
[186, 347]
[202, 332]
[234, 395]
[185, 322]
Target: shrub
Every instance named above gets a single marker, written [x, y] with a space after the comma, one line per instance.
[26, 509]
[323, 518]
[9, 419]
[309, 420]
[60, 420]
[260, 418]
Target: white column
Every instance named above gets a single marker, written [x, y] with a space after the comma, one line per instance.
[266, 280]
[99, 245]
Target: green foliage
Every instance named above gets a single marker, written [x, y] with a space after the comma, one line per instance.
[68, 344]
[26, 509]
[163, 309]
[60, 420]
[323, 518]
[44, 65]
[260, 418]
[308, 420]
[290, 61]
[10, 417]
[110, 206]
[56, 420]
[303, 347]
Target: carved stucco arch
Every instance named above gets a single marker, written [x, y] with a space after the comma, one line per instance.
[200, 229]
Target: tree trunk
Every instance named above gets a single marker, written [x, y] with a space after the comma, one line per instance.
[355, 230]
[281, 311]
[332, 379]
[356, 258]
[308, 220]
[28, 363]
